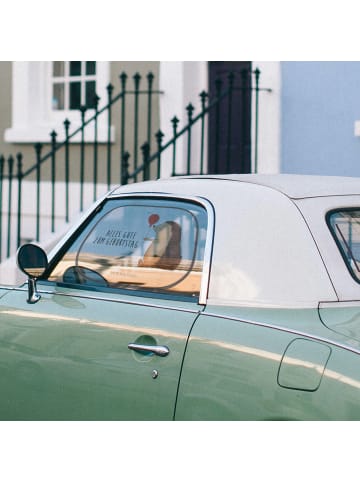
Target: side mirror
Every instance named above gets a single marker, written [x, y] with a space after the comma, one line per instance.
[32, 261]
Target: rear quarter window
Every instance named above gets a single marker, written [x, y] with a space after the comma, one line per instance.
[344, 225]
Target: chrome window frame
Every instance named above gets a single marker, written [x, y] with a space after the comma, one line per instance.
[204, 203]
[328, 217]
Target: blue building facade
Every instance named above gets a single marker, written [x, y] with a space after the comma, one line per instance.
[320, 105]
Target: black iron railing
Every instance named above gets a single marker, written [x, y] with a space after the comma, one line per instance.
[224, 93]
[144, 161]
[59, 157]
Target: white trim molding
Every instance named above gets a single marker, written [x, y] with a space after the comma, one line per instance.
[357, 128]
[33, 118]
[269, 127]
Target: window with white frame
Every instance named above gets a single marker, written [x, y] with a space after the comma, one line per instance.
[73, 85]
[47, 93]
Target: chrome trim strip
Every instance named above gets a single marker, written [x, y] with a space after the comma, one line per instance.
[116, 300]
[285, 330]
[210, 232]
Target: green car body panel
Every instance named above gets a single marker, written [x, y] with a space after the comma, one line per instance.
[263, 365]
[201, 298]
[67, 358]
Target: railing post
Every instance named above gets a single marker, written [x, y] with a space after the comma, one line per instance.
[125, 168]
[203, 97]
[53, 179]
[110, 89]
[82, 157]
[19, 158]
[146, 154]
[190, 110]
[150, 78]
[67, 125]
[137, 78]
[123, 78]
[38, 147]
[175, 121]
[96, 101]
[159, 136]
[229, 121]
[2, 162]
[10, 178]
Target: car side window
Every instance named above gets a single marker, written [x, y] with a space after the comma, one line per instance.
[345, 227]
[154, 245]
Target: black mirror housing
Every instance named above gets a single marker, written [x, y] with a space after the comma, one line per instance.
[32, 260]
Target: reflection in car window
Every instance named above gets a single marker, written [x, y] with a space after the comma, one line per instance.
[137, 244]
[345, 227]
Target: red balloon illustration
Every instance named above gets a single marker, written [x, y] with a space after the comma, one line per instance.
[153, 218]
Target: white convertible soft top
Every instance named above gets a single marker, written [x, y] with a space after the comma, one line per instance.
[296, 186]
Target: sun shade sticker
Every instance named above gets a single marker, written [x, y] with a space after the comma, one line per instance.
[153, 245]
[345, 228]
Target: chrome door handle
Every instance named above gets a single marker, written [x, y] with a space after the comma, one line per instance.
[155, 349]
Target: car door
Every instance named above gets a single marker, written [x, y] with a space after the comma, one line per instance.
[107, 338]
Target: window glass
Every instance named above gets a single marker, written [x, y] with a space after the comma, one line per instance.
[58, 69]
[345, 227]
[153, 245]
[58, 97]
[75, 68]
[90, 68]
[90, 94]
[75, 95]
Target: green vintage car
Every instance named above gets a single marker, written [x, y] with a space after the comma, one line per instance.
[198, 298]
